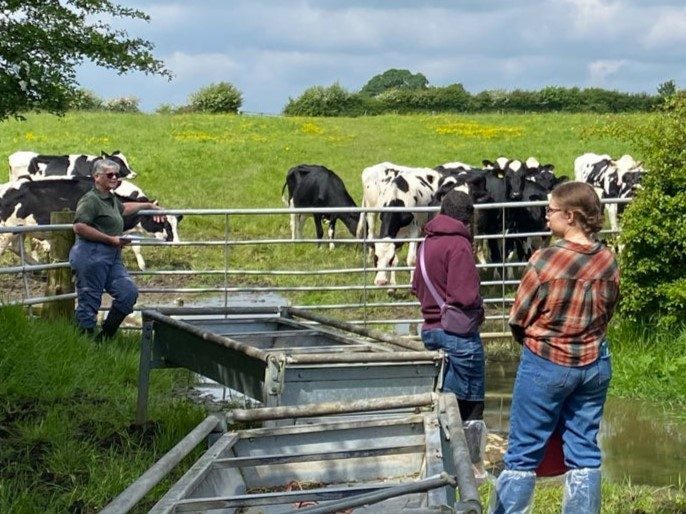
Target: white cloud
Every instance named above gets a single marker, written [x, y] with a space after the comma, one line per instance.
[588, 16]
[600, 71]
[668, 30]
[273, 49]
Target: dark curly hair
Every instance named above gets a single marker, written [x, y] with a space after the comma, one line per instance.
[458, 205]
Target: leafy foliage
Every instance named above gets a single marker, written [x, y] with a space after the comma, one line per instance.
[43, 41]
[394, 79]
[122, 104]
[654, 225]
[667, 88]
[399, 91]
[85, 100]
[221, 97]
[320, 101]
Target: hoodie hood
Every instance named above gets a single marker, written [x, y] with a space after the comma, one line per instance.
[445, 225]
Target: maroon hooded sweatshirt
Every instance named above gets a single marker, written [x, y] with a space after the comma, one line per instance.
[450, 266]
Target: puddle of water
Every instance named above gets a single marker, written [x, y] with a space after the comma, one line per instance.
[641, 442]
[231, 300]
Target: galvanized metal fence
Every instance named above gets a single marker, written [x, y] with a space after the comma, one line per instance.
[234, 281]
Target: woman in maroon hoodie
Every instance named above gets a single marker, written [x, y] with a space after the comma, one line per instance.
[446, 260]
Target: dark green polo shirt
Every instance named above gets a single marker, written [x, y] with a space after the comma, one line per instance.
[101, 211]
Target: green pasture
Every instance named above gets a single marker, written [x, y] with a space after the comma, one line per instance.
[223, 161]
[67, 406]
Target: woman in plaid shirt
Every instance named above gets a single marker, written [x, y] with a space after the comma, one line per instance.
[561, 311]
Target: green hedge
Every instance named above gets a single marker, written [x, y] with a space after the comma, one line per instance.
[653, 259]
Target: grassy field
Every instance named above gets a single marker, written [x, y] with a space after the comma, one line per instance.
[67, 440]
[214, 161]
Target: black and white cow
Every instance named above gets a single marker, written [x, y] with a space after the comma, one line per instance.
[542, 174]
[607, 176]
[313, 185]
[19, 164]
[44, 166]
[389, 185]
[31, 202]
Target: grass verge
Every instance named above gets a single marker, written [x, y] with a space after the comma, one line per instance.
[68, 442]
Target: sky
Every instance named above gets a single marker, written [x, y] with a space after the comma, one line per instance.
[273, 50]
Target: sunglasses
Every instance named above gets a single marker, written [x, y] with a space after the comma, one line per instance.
[549, 210]
[112, 175]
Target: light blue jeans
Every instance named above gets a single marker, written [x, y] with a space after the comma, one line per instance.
[545, 395]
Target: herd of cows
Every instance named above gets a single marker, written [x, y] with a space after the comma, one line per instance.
[41, 184]
[501, 181]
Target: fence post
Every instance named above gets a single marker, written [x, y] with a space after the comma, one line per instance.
[59, 280]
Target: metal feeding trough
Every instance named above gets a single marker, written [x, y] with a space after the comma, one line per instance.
[279, 357]
[417, 462]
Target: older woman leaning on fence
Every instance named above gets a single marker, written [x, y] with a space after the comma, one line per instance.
[561, 311]
[96, 256]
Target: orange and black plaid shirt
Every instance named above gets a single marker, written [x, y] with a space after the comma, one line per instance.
[565, 301]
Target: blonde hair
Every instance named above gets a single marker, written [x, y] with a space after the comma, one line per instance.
[581, 199]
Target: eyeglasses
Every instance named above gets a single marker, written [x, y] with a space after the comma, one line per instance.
[549, 210]
[112, 175]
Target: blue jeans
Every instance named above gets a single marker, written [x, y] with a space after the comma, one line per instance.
[98, 267]
[464, 367]
[547, 394]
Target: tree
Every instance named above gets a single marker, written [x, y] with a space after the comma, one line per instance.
[394, 79]
[667, 88]
[320, 101]
[44, 40]
[221, 97]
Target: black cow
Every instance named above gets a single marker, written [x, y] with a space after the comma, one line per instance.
[31, 202]
[526, 220]
[312, 185]
[42, 166]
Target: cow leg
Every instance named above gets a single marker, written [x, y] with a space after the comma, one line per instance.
[495, 256]
[295, 223]
[139, 256]
[31, 256]
[332, 233]
[319, 230]
[5, 241]
[612, 214]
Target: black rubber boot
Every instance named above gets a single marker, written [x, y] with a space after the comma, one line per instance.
[111, 324]
[87, 331]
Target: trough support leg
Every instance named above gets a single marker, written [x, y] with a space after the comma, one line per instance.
[144, 374]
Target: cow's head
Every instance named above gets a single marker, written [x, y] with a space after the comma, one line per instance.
[124, 168]
[514, 180]
[543, 175]
[631, 182]
[166, 230]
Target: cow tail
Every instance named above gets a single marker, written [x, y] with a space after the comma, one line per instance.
[283, 196]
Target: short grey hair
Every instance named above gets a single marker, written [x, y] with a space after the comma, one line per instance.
[103, 165]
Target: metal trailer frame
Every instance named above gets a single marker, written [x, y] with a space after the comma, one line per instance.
[413, 463]
[271, 357]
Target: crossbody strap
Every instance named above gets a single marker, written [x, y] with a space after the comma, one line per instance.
[428, 283]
